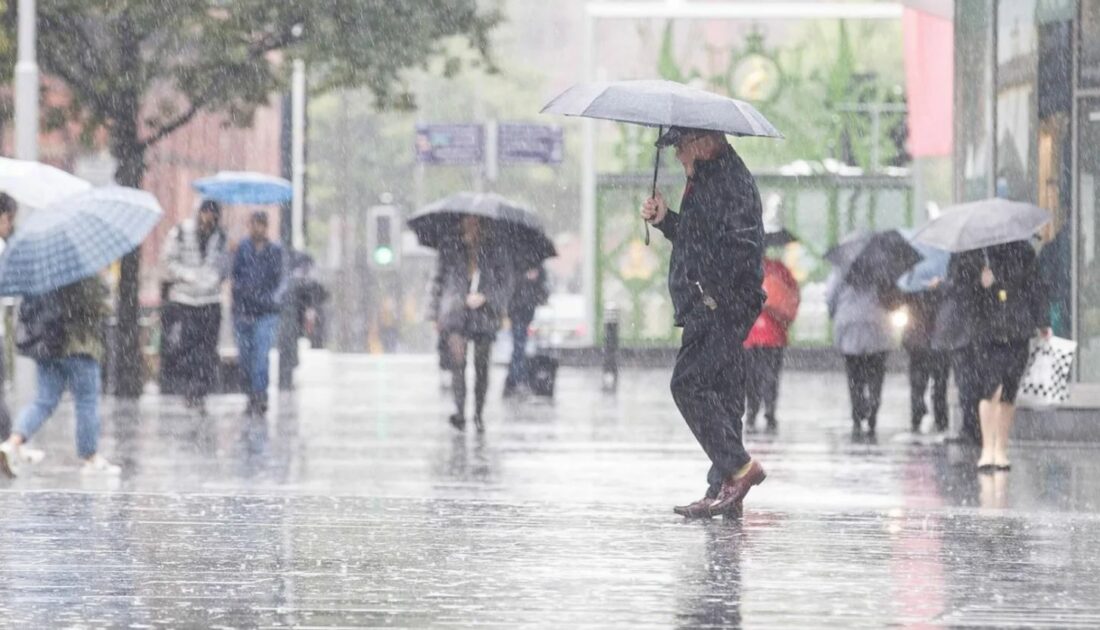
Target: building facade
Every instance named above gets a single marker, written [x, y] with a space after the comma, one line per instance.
[1027, 127]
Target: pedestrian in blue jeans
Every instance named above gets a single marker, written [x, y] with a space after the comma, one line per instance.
[257, 281]
[67, 358]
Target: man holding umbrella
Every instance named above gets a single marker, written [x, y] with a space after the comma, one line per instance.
[715, 272]
[715, 275]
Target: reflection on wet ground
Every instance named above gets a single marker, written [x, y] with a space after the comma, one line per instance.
[354, 504]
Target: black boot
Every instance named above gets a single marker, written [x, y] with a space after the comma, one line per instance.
[772, 426]
[458, 421]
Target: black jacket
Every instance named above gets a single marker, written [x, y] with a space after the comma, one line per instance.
[1014, 306]
[528, 294]
[717, 242]
[452, 283]
[923, 308]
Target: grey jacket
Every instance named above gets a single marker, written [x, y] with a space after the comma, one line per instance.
[452, 284]
[861, 323]
[195, 279]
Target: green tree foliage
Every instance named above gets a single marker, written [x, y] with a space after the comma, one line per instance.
[141, 69]
[833, 67]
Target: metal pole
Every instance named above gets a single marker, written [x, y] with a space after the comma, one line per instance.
[588, 191]
[26, 85]
[298, 154]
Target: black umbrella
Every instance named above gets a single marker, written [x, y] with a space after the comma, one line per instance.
[779, 238]
[873, 259]
[438, 223]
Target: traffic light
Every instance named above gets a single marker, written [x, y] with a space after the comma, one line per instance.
[383, 237]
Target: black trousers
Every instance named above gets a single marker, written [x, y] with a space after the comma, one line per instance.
[5, 413]
[762, 367]
[708, 385]
[925, 366]
[483, 345]
[865, 375]
[198, 358]
[969, 385]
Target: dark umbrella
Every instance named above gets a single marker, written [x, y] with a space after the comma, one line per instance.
[437, 223]
[661, 104]
[873, 259]
[779, 238]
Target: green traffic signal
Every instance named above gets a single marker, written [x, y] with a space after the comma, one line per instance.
[383, 256]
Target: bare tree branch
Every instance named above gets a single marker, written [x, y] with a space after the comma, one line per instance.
[269, 42]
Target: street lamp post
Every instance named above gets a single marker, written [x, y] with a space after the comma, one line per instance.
[26, 85]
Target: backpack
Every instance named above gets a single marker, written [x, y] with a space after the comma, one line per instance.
[40, 333]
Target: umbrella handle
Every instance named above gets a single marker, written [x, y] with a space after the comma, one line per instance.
[653, 192]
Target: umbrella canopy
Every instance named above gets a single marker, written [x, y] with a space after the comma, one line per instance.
[982, 224]
[244, 187]
[75, 239]
[873, 259]
[779, 238]
[437, 223]
[933, 266]
[38, 185]
[662, 104]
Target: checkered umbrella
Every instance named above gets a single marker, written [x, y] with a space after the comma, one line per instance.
[75, 238]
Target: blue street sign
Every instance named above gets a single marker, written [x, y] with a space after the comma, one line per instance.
[450, 144]
[522, 142]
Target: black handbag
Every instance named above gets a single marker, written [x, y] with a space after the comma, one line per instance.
[40, 333]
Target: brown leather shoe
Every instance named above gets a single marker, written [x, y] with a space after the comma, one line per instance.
[734, 490]
[699, 509]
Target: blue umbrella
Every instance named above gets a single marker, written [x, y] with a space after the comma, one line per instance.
[244, 187]
[934, 265]
[75, 238]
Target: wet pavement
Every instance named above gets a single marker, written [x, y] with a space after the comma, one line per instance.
[356, 505]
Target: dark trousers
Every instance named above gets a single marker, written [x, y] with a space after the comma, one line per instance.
[865, 375]
[5, 413]
[198, 356]
[483, 345]
[708, 385]
[762, 382]
[962, 363]
[925, 366]
[517, 369]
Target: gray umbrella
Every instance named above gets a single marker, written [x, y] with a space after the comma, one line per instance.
[661, 104]
[983, 223]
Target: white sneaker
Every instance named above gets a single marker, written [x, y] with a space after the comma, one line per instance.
[28, 455]
[9, 458]
[98, 465]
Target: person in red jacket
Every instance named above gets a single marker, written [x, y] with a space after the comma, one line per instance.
[766, 340]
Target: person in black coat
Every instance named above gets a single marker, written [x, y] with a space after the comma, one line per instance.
[530, 292]
[951, 335]
[926, 363]
[470, 295]
[715, 278]
[1004, 303]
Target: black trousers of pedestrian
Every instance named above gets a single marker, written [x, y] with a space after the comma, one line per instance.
[198, 358]
[708, 385]
[762, 367]
[483, 345]
[865, 375]
[926, 366]
[968, 383]
[5, 413]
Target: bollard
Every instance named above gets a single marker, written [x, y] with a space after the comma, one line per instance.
[611, 349]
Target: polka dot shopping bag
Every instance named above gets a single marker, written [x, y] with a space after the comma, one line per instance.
[1046, 380]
